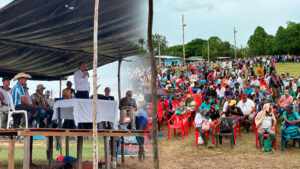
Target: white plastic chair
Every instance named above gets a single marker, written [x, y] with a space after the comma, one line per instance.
[12, 111]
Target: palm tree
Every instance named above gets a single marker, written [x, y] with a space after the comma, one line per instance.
[142, 42]
[154, 86]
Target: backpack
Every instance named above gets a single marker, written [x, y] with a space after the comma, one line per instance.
[267, 143]
[226, 125]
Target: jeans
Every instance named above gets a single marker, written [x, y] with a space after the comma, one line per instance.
[266, 131]
[42, 114]
[203, 135]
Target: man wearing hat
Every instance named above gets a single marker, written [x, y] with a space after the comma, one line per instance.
[21, 102]
[247, 106]
[291, 118]
[4, 100]
[39, 101]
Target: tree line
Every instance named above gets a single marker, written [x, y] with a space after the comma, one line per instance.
[286, 41]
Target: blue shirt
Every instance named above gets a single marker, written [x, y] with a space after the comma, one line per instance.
[17, 93]
[291, 117]
[248, 91]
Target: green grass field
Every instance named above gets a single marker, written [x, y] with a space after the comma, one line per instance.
[292, 68]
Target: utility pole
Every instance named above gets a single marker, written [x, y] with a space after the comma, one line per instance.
[183, 25]
[159, 51]
[234, 32]
[208, 50]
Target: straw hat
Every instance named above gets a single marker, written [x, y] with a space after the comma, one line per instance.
[40, 87]
[22, 74]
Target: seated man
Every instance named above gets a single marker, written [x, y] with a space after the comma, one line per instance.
[4, 100]
[127, 107]
[21, 102]
[247, 106]
[200, 119]
[284, 101]
[292, 122]
[248, 89]
[69, 93]
[266, 122]
[205, 106]
[213, 114]
[40, 103]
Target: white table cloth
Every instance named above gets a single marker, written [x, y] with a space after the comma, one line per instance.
[81, 110]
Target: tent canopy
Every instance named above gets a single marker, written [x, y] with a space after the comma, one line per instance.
[47, 40]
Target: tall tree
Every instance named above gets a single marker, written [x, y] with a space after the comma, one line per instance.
[260, 43]
[163, 44]
[154, 86]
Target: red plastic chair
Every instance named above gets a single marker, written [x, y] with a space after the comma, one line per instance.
[265, 135]
[177, 124]
[197, 134]
[186, 124]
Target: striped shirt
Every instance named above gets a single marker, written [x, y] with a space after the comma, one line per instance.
[17, 93]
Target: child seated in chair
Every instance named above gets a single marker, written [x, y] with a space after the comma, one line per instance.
[266, 122]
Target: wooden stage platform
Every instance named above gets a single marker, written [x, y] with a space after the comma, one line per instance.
[79, 133]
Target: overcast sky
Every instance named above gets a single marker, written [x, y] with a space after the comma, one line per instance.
[205, 18]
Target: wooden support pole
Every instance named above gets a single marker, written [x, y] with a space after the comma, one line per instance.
[95, 88]
[122, 149]
[11, 153]
[79, 152]
[31, 147]
[26, 159]
[67, 145]
[154, 85]
[50, 151]
[106, 152]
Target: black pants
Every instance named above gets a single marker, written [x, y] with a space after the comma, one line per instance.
[31, 114]
[84, 95]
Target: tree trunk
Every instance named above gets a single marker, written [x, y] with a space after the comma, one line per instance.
[95, 89]
[154, 86]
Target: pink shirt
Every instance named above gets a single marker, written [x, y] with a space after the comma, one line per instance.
[285, 101]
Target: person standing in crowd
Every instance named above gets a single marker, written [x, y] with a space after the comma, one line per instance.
[127, 107]
[69, 93]
[81, 81]
[21, 102]
[275, 84]
[4, 100]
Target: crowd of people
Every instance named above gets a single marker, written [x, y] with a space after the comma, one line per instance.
[204, 93]
[211, 92]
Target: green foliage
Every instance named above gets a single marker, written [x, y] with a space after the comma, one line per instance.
[286, 41]
[260, 43]
[163, 44]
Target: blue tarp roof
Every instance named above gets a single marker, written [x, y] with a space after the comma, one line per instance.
[47, 40]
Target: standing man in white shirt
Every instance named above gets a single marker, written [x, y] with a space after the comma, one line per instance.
[4, 101]
[81, 82]
[82, 88]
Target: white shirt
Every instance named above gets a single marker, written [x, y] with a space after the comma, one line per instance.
[267, 122]
[240, 80]
[221, 91]
[246, 107]
[4, 92]
[198, 120]
[81, 84]
[225, 106]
